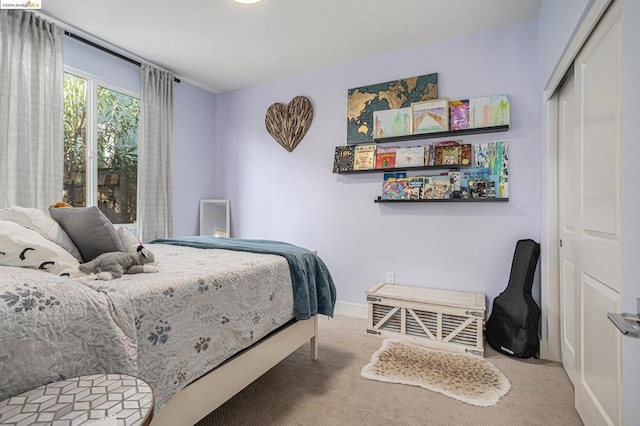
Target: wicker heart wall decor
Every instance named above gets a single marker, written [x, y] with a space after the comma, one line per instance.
[288, 124]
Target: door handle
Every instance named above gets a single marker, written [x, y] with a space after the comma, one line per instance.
[628, 324]
[560, 242]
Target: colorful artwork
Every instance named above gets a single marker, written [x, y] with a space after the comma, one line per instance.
[495, 157]
[480, 112]
[430, 116]
[391, 122]
[500, 110]
[489, 111]
[395, 189]
[459, 114]
[363, 101]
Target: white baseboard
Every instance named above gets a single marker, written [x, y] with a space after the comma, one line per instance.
[544, 349]
[547, 353]
[351, 309]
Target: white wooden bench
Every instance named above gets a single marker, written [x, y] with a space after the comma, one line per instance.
[441, 319]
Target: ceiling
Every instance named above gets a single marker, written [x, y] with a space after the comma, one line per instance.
[220, 45]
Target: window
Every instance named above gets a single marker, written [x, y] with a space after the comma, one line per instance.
[100, 147]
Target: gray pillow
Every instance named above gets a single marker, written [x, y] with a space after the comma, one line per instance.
[89, 229]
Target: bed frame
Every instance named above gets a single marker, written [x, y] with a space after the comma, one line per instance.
[203, 396]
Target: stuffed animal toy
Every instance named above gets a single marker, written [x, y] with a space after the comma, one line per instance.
[109, 266]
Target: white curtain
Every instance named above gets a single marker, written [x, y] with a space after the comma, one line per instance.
[155, 156]
[31, 117]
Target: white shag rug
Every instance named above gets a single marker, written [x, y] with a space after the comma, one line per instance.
[466, 378]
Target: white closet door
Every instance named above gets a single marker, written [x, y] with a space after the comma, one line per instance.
[596, 241]
[567, 208]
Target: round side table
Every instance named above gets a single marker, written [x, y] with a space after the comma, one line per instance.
[85, 400]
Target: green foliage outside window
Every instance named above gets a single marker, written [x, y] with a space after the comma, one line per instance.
[117, 154]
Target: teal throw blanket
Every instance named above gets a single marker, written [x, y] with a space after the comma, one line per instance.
[313, 288]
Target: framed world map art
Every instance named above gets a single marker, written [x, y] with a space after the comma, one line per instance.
[363, 101]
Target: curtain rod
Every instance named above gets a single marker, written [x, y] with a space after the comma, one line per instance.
[109, 51]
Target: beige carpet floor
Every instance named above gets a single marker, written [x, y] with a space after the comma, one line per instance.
[330, 391]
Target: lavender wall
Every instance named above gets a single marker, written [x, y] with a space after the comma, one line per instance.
[105, 67]
[294, 196]
[557, 21]
[194, 171]
[193, 174]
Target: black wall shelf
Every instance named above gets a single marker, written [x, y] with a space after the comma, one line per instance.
[451, 200]
[454, 133]
[406, 169]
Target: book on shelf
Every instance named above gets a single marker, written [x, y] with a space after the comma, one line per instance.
[364, 157]
[395, 189]
[449, 155]
[478, 188]
[464, 154]
[393, 175]
[459, 114]
[386, 157]
[446, 153]
[454, 178]
[441, 188]
[427, 188]
[416, 186]
[430, 155]
[343, 159]
[491, 189]
[495, 157]
[467, 175]
[410, 156]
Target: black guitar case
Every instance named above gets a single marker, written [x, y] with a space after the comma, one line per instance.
[512, 327]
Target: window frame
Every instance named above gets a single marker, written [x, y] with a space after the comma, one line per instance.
[93, 82]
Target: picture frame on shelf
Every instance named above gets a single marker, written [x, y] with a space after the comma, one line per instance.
[430, 116]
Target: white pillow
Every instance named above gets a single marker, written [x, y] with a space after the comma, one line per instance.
[129, 241]
[42, 223]
[26, 248]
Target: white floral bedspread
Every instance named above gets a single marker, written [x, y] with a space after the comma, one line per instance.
[167, 328]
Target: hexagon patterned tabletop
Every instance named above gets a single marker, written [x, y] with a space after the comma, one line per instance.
[84, 400]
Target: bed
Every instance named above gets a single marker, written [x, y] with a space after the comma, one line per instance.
[207, 324]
